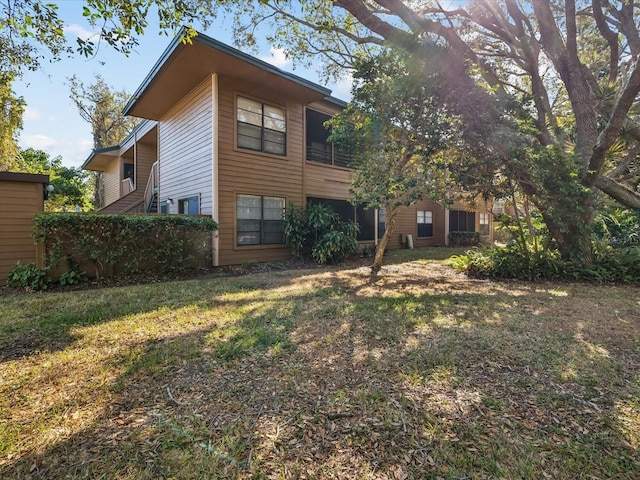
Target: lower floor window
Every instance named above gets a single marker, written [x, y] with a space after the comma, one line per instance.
[189, 205]
[259, 220]
[462, 221]
[425, 223]
[484, 224]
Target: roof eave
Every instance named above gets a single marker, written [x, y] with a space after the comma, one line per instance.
[166, 58]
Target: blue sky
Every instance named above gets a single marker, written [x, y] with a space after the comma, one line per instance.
[53, 124]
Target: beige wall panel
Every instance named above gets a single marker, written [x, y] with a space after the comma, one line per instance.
[185, 149]
[146, 156]
[407, 224]
[112, 182]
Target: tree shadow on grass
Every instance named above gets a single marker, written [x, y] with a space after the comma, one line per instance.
[45, 323]
[349, 384]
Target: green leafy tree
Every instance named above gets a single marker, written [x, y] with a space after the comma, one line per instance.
[399, 132]
[11, 109]
[71, 185]
[31, 31]
[101, 106]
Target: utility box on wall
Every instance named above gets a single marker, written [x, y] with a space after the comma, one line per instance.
[22, 195]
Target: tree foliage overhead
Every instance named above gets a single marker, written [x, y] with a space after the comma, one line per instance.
[31, 31]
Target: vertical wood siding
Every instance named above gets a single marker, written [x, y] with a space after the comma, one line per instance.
[19, 201]
[185, 149]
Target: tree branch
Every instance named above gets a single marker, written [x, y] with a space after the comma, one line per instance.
[620, 111]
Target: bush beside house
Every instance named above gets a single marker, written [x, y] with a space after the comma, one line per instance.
[109, 245]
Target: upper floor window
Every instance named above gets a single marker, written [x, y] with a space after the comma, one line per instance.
[127, 171]
[319, 148]
[261, 127]
[425, 223]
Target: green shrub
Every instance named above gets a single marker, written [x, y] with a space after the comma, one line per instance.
[72, 277]
[28, 276]
[618, 228]
[609, 265]
[464, 239]
[125, 244]
[319, 233]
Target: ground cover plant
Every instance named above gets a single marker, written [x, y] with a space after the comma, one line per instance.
[322, 373]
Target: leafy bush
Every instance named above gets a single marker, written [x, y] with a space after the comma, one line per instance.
[618, 228]
[125, 244]
[464, 239]
[609, 265]
[72, 277]
[28, 276]
[319, 233]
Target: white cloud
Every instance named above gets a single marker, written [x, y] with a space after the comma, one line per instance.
[73, 152]
[79, 31]
[33, 114]
[342, 88]
[277, 57]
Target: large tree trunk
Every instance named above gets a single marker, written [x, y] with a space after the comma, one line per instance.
[569, 219]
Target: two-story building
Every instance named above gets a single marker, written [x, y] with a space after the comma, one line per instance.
[228, 135]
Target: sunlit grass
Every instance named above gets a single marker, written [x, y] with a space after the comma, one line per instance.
[323, 374]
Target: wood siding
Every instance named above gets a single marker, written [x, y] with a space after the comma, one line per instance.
[185, 149]
[407, 224]
[245, 172]
[112, 182]
[325, 181]
[19, 201]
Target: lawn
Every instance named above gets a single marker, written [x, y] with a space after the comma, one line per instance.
[320, 373]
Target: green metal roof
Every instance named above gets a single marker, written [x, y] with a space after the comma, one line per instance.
[99, 151]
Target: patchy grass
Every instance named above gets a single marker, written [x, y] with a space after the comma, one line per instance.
[322, 374]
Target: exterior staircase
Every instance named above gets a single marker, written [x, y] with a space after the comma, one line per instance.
[151, 191]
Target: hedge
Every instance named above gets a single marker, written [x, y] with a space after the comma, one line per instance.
[124, 244]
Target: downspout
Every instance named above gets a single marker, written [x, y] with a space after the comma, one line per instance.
[215, 241]
[446, 226]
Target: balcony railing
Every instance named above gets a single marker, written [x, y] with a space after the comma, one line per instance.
[127, 186]
[330, 155]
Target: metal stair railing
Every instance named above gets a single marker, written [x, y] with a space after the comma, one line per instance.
[151, 190]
